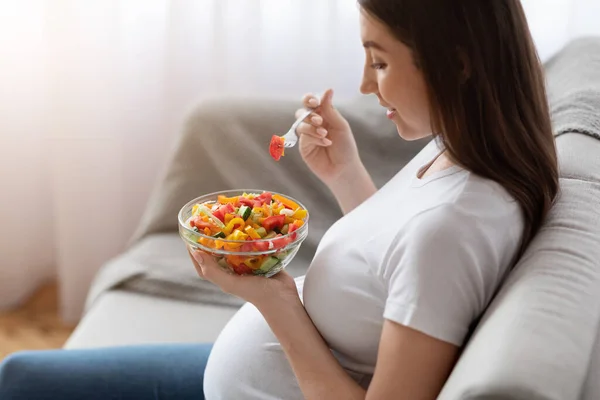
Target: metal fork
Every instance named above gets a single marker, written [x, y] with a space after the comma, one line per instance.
[291, 137]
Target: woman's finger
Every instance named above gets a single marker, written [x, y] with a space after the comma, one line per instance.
[211, 271]
[308, 140]
[196, 265]
[310, 130]
[313, 119]
[310, 101]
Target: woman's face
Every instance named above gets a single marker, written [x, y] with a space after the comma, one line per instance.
[390, 73]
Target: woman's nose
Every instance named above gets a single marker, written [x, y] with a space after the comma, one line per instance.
[368, 85]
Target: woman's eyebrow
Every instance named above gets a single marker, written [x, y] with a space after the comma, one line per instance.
[372, 44]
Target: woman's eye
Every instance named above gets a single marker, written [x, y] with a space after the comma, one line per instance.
[378, 66]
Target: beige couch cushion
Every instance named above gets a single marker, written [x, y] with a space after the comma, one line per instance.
[120, 318]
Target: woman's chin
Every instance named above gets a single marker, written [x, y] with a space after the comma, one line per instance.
[410, 134]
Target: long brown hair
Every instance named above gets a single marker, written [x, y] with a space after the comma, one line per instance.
[486, 90]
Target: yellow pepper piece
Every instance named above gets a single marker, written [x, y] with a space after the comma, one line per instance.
[207, 231]
[300, 214]
[228, 218]
[239, 235]
[267, 211]
[232, 246]
[235, 259]
[286, 201]
[253, 262]
[299, 222]
[288, 220]
[277, 210]
[252, 224]
[252, 233]
[196, 210]
[206, 242]
[219, 244]
[236, 221]
[224, 200]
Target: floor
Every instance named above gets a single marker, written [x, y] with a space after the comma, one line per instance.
[35, 325]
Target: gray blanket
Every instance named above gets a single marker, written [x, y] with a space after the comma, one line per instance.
[224, 146]
[573, 79]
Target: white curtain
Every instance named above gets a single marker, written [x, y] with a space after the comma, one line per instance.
[93, 91]
[553, 23]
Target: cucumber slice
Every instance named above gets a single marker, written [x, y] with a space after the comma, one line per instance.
[256, 217]
[220, 235]
[262, 232]
[282, 255]
[268, 264]
[190, 236]
[244, 212]
[195, 229]
[271, 235]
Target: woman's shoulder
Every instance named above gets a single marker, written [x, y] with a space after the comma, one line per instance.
[481, 205]
[483, 197]
[479, 225]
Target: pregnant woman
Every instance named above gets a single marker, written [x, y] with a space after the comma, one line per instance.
[398, 283]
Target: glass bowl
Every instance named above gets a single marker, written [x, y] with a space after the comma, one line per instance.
[265, 257]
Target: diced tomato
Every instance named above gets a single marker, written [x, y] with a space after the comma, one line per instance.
[246, 202]
[261, 246]
[276, 148]
[291, 231]
[280, 242]
[242, 269]
[276, 221]
[257, 203]
[199, 223]
[219, 214]
[228, 208]
[246, 247]
[265, 197]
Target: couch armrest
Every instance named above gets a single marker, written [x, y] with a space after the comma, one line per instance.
[535, 340]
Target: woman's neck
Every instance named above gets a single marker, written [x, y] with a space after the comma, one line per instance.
[440, 163]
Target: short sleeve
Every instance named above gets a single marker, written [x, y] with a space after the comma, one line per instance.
[441, 271]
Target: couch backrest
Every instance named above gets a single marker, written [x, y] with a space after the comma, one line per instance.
[537, 337]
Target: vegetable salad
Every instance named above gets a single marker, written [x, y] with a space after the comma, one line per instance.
[250, 223]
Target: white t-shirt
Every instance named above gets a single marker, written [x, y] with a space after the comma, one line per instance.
[426, 253]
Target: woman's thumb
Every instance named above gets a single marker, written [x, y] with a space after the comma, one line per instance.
[327, 100]
[328, 110]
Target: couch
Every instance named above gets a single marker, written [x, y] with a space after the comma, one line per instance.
[539, 338]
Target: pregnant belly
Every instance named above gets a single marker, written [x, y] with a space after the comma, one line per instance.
[247, 362]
